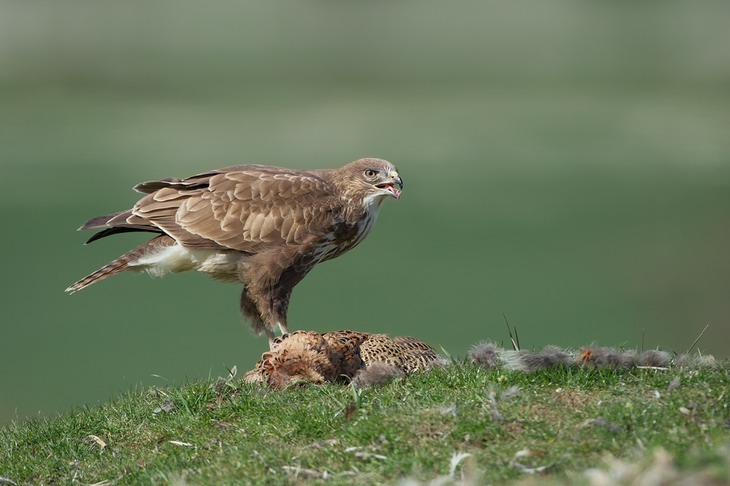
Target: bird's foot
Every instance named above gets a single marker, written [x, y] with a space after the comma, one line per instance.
[283, 328]
[272, 336]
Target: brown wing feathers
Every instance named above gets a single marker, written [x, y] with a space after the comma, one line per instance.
[240, 207]
[128, 221]
[241, 210]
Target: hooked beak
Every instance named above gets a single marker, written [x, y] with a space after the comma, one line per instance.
[392, 180]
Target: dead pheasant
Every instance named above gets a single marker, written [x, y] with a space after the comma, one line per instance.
[339, 356]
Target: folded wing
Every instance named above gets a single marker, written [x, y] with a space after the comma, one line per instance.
[242, 208]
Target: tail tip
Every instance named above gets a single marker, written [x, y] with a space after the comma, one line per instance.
[76, 286]
[72, 289]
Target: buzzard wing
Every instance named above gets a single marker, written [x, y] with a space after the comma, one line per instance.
[243, 208]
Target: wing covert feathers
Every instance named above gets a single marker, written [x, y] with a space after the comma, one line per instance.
[244, 208]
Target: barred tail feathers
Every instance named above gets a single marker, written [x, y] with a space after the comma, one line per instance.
[112, 268]
[121, 263]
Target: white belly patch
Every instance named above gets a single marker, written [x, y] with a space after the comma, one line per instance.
[176, 258]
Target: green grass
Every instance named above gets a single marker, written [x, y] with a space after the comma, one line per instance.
[231, 433]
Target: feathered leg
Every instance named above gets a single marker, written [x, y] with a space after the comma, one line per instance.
[251, 312]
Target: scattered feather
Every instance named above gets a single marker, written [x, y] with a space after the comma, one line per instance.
[627, 359]
[695, 361]
[376, 374]
[525, 469]
[485, 354]
[706, 361]
[360, 454]
[451, 410]
[92, 439]
[659, 468]
[167, 407]
[684, 360]
[548, 357]
[653, 358]
[602, 423]
[493, 407]
[455, 461]
[512, 360]
[603, 357]
[302, 471]
[526, 360]
[469, 474]
[370, 455]
[509, 393]
[7, 481]
[441, 362]
[673, 384]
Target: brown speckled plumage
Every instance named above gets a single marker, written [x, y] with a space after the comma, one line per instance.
[405, 353]
[310, 357]
[265, 227]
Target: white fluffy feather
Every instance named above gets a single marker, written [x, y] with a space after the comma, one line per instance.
[177, 258]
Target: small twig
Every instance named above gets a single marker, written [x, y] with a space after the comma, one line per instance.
[370, 455]
[325, 475]
[696, 340]
[181, 443]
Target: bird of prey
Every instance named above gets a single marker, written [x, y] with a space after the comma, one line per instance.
[264, 227]
[339, 356]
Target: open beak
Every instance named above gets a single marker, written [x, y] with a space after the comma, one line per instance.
[390, 184]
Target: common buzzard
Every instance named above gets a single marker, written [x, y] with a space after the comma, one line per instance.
[265, 227]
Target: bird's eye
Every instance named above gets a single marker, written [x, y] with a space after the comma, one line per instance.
[371, 173]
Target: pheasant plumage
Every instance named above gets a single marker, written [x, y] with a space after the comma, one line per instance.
[338, 356]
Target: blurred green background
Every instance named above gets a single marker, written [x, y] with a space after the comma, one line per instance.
[565, 163]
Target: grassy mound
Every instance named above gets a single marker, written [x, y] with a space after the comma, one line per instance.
[461, 421]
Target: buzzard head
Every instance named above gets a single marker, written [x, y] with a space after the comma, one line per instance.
[373, 179]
